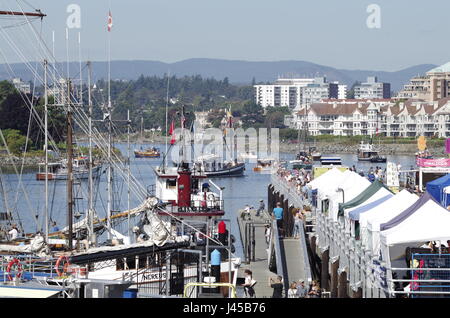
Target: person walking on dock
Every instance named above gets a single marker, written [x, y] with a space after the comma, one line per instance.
[292, 292]
[249, 283]
[247, 213]
[277, 286]
[302, 291]
[268, 232]
[297, 224]
[314, 291]
[261, 208]
[278, 213]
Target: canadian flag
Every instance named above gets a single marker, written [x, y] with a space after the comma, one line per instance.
[109, 21]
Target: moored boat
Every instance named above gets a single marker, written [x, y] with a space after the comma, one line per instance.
[331, 161]
[147, 153]
[265, 164]
[378, 159]
[366, 152]
[59, 171]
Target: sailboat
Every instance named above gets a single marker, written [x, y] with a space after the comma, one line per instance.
[213, 165]
[175, 230]
[58, 170]
[303, 159]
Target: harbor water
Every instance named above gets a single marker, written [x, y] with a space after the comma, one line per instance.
[27, 202]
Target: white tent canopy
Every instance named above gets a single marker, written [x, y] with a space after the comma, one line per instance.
[330, 176]
[370, 221]
[430, 222]
[352, 184]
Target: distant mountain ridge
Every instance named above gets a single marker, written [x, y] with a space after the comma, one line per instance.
[238, 72]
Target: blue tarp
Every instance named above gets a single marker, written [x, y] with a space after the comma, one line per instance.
[435, 188]
[354, 215]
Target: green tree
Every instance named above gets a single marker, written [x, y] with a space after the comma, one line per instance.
[15, 141]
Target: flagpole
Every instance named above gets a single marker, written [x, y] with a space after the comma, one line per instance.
[167, 105]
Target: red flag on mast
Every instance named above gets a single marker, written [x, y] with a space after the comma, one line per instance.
[171, 133]
[110, 22]
[171, 129]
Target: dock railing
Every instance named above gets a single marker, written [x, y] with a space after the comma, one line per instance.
[366, 273]
[280, 257]
[304, 249]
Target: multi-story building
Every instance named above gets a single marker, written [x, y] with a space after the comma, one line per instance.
[373, 89]
[434, 85]
[347, 118]
[295, 92]
[21, 86]
[342, 91]
[59, 91]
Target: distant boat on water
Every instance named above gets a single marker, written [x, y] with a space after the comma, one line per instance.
[59, 171]
[147, 153]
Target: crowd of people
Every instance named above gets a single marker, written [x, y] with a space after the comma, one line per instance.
[297, 179]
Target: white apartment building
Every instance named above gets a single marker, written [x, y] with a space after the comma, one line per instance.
[409, 119]
[294, 92]
[21, 86]
[372, 89]
[342, 91]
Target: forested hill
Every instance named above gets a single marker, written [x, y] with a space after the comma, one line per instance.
[147, 96]
[235, 70]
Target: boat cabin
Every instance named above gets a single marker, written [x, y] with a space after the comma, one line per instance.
[187, 192]
[366, 152]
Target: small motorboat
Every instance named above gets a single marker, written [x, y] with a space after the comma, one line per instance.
[337, 161]
[377, 159]
[147, 153]
[366, 152]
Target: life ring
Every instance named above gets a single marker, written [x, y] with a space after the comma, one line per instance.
[65, 266]
[16, 262]
[211, 197]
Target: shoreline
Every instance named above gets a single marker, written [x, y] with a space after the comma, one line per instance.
[384, 149]
[31, 162]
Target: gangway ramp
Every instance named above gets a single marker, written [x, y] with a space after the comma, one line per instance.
[294, 264]
[295, 259]
[256, 253]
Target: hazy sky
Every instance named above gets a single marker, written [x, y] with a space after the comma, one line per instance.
[328, 32]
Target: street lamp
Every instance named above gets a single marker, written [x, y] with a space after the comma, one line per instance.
[343, 195]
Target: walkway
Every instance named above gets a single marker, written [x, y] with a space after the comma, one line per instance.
[293, 256]
[259, 267]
